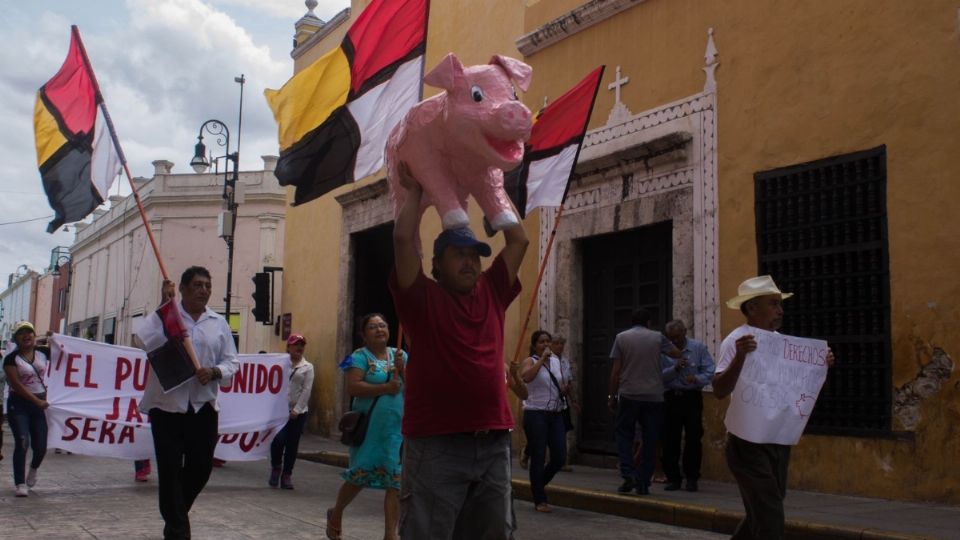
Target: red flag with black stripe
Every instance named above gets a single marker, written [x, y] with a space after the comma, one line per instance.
[551, 152]
[76, 154]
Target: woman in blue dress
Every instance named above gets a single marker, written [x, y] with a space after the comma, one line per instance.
[374, 372]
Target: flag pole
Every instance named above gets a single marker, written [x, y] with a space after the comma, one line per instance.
[116, 144]
[423, 65]
[536, 287]
[553, 231]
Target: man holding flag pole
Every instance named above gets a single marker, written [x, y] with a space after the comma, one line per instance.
[79, 156]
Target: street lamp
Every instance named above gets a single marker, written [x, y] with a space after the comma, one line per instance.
[200, 163]
[64, 300]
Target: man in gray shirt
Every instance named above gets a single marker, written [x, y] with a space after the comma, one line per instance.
[636, 395]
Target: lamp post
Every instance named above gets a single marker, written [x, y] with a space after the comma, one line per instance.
[65, 301]
[200, 163]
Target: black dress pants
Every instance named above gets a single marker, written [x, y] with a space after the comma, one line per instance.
[682, 419]
[184, 445]
[761, 473]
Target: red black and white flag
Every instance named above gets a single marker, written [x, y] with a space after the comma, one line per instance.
[168, 346]
[334, 116]
[77, 155]
[551, 153]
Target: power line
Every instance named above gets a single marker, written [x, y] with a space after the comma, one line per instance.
[26, 220]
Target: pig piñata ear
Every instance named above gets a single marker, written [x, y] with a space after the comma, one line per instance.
[519, 72]
[447, 74]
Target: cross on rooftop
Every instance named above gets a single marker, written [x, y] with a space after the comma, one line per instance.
[616, 84]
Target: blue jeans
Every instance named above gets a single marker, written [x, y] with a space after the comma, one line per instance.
[29, 426]
[283, 449]
[544, 429]
[650, 416]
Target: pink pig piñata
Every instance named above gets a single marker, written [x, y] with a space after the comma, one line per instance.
[459, 142]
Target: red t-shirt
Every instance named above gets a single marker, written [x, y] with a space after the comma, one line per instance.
[454, 381]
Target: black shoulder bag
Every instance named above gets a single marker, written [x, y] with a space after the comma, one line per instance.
[567, 419]
[353, 424]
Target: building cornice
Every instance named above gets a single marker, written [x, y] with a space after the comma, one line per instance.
[326, 30]
[362, 193]
[166, 191]
[568, 24]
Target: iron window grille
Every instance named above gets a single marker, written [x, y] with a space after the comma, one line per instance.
[822, 234]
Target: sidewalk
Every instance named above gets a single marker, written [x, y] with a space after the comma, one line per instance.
[717, 506]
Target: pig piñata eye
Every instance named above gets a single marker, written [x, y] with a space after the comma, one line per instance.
[477, 94]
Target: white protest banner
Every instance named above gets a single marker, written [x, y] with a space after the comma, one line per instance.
[253, 407]
[777, 388]
[94, 390]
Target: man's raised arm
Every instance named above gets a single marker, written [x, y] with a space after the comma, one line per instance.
[515, 248]
[406, 229]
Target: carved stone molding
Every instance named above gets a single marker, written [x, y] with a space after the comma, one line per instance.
[364, 207]
[594, 140]
[568, 24]
[363, 192]
[656, 165]
[640, 187]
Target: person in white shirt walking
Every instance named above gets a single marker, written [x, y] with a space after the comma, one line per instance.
[24, 369]
[184, 420]
[760, 468]
[283, 449]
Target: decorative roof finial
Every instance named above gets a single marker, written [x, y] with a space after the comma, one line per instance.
[710, 64]
[311, 4]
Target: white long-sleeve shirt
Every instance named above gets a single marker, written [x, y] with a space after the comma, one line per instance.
[213, 343]
[301, 384]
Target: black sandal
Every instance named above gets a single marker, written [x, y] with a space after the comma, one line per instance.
[333, 533]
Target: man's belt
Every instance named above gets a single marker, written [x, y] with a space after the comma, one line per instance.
[681, 392]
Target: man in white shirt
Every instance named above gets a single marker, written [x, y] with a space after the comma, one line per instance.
[760, 468]
[184, 420]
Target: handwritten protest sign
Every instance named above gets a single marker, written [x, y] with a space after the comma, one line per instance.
[777, 388]
[94, 390]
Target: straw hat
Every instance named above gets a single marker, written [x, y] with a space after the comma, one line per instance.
[754, 287]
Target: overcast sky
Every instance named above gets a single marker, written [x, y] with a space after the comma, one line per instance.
[164, 67]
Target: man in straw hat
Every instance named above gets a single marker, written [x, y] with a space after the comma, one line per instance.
[760, 469]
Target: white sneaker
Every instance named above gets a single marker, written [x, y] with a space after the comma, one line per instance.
[22, 490]
[31, 477]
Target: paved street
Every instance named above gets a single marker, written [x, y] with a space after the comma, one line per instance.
[83, 497]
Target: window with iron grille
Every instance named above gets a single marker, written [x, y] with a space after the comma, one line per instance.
[822, 234]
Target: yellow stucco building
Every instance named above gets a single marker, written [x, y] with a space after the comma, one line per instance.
[342, 241]
[810, 141]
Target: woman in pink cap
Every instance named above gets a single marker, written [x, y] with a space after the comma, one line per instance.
[283, 449]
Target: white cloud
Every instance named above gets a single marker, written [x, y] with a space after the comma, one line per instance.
[288, 9]
[163, 67]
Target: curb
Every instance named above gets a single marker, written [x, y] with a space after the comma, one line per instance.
[334, 459]
[648, 509]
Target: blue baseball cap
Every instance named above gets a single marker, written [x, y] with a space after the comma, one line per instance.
[460, 237]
